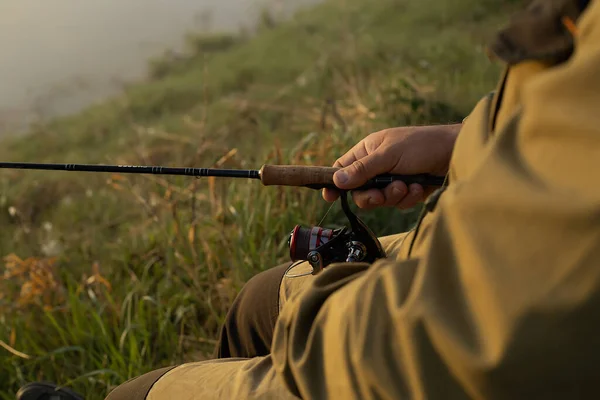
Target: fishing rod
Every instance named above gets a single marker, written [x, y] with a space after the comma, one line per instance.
[318, 246]
[313, 177]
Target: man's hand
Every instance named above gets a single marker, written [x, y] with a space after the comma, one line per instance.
[406, 151]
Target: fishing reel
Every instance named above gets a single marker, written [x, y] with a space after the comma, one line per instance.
[322, 247]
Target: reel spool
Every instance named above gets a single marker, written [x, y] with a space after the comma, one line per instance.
[322, 246]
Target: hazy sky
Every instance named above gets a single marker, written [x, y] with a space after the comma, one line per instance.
[63, 54]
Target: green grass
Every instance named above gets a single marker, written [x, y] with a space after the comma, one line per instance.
[119, 275]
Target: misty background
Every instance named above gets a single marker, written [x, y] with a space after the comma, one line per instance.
[59, 56]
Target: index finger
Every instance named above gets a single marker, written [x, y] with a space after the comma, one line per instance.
[357, 152]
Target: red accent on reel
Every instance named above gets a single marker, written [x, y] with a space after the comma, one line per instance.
[293, 242]
[304, 240]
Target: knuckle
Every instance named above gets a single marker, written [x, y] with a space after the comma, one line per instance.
[359, 167]
[387, 131]
[391, 198]
[361, 199]
[409, 201]
[416, 191]
[396, 190]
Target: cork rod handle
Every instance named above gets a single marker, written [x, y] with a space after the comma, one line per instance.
[296, 175]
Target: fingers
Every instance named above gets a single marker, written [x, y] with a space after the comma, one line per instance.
[388, 197]
[355, 153]
[330, 195]
[416, 194]
[394, 195]
[354, 174]
[369, 199]
[361, 170]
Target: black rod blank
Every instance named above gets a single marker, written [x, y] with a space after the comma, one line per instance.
[136, 169]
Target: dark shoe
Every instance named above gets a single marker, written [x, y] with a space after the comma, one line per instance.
[46, 391]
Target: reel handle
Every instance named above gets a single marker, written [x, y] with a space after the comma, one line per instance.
[315, 177]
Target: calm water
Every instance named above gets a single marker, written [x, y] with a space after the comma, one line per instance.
[57, 56]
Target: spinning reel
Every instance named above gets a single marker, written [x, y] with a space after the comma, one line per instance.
[322, 247]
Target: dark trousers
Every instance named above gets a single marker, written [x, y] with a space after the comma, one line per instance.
[248, 328]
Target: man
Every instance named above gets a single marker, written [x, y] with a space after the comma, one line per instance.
[495, 294]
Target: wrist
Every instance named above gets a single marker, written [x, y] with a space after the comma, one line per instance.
[454, 129]
[451, 133]
[448, 140]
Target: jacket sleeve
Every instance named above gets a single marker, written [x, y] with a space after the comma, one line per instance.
[503, 299]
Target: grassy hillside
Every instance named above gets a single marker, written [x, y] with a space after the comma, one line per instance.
[107, 277]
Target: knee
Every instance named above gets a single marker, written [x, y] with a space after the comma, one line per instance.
[139, 387]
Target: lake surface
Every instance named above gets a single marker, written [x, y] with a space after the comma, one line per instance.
[58, 56]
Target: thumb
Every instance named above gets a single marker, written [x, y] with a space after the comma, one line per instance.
[361, 170]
